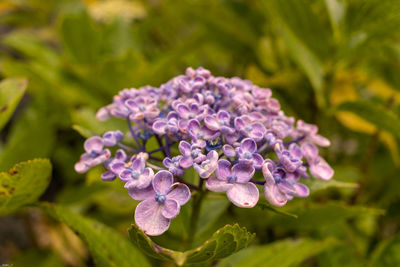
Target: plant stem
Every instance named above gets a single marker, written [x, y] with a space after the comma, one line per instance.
[196, 206]
[134, 135]
[159, 141]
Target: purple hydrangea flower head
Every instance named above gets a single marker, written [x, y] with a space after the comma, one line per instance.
[208, 166]
[219, 122]
[228, 130]
[191, 154]
[173, 165]
[310, 132]
[161, 203]
[111, 138]
[254, 130]
[135, 174]
[235, 181]
[229, 151]
[142, 108]
[201, 133]
[279, 186]
[95, 154]
[247, 153]
[289, 158]
[168, 125]
[112, 173]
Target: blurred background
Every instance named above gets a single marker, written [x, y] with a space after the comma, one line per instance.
[335, 63]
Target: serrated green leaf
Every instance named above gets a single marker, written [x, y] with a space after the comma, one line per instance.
[11, 92]
[224, 242]
[107, 247]
[23, 184]
[279, 253]
[374, 113]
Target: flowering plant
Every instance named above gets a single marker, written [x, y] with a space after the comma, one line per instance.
[232, 133]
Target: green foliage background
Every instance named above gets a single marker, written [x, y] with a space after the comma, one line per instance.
[335, 63]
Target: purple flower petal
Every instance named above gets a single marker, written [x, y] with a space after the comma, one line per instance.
[159, 126]
[149, 218]
[212, 123]
[243, 171]
[223, 170]
[81, 167]
[94, 144]
[142, 194]
[301, 190]
[186, 162]
[216, 185]
[170, 209]
[243, 195]
[257, 161]
[249, 145]
[162, 181]
[180, 193]
[229, 151]
[321, 170]
[185, 148]
[274, 196]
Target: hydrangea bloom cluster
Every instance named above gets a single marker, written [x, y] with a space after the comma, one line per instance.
[231, 132]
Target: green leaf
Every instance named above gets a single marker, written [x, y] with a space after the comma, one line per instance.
[31, 136]
[11, 92]
[387, 253]
[311, 216]
[305, 37]
[280, 253]
[23, 184]
[107, 247]
[224, 242]
[80, 38]
[315, 184]
[374, 113]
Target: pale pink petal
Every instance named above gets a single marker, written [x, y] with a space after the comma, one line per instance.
[243, 195]
[94, 143]
[216, 185]
[142, 194]
[162, 181]
[301, 190]
[180, 193]
[274, 196]
[223, 169]
[149, 218]
[170, 209]
[243, 171]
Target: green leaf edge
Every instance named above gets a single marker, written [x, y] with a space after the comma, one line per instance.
[16, 169]
[142, 241]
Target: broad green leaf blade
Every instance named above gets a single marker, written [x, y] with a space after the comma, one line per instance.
[11, 92]
[387, 253]
[312, 216]
[107, 247]
[144, 243]
[80, 38]
[377, 115]
[315, 184]
[23, 184]
[224, 242]
[280, 253]
[306, 39]
[31, 136]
